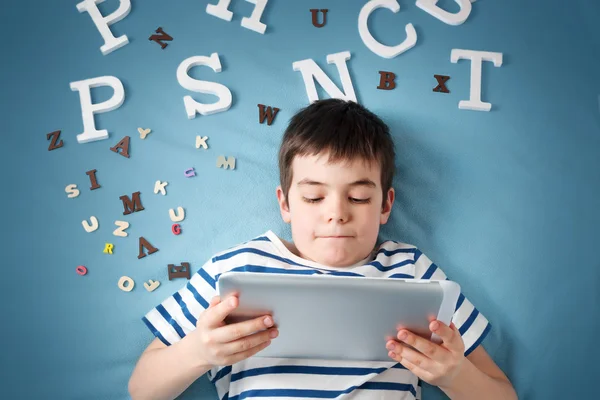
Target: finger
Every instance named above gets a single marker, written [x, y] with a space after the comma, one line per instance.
[451, 338]
[249, 342]
[402, 353]
[455, 329]
[217, 314]
[214, 301]
[443, 331]
[237, 357]
[232, 332]
[412, 367]
[426, 347]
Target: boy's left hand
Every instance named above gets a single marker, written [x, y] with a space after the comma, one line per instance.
[435, 364]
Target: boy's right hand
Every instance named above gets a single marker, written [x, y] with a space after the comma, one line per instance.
[221, 344]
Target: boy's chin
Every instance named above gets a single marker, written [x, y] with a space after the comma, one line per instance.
[339, 260]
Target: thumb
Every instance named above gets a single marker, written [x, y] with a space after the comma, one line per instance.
[210, 309]
[217, 312]
[214, 301]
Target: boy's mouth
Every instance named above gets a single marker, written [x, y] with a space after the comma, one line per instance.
[336, 237]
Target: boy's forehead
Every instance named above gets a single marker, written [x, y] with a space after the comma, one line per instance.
[322, 166]
[324, 159]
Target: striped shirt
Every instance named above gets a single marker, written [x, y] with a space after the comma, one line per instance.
[263, 377]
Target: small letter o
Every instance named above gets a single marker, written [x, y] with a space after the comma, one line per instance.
[81, 270]
[130, 285]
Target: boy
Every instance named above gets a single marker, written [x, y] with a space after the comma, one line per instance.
[336, 165]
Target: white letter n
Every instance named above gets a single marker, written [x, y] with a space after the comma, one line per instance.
[311, 71]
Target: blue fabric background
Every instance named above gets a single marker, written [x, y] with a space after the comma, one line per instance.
[505, 202]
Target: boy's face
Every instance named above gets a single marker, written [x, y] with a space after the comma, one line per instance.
[335, 210]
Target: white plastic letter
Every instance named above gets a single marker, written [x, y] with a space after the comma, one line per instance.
[311, 71]
[253, 22]
[192, 106]
[224, 163]
[368, 39]
[151, 285]
[201, 141]
[72, 191]
[476, 57]
[120, 231]
[111, 43]
[160, 187]
[221, 10]
[88, 109]
[126, 280]
[90, 228]
[430, 6]
[177, 217]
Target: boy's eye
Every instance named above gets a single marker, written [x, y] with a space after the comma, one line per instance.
[313, 200]
[352, 199]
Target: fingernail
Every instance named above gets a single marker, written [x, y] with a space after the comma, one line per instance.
[435, 326]
[390, 346]
[274, 333]
[403, 335]
[268, 321]
[232, 302]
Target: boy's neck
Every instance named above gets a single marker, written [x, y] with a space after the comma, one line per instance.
[291, 247]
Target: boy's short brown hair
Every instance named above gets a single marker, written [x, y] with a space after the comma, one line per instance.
[344, 129]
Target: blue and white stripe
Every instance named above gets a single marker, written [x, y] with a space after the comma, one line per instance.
[261, 377]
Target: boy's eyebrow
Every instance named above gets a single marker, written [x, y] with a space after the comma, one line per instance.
[361, 182]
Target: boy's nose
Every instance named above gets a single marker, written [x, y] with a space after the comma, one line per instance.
[338, 212]
[337, 218]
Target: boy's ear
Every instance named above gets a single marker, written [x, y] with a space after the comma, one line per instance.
[387, 206]
[284, 207]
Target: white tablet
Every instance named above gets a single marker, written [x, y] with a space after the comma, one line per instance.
[338, 317]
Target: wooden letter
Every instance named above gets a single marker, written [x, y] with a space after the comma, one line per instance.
[387, 80]
[124, 146]
[92, 175]
[144, 243]
[181, 271]
[55, 135]
[163, 36]
[269, 114]
[441, 87]
[315, 13]
[132, 205]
